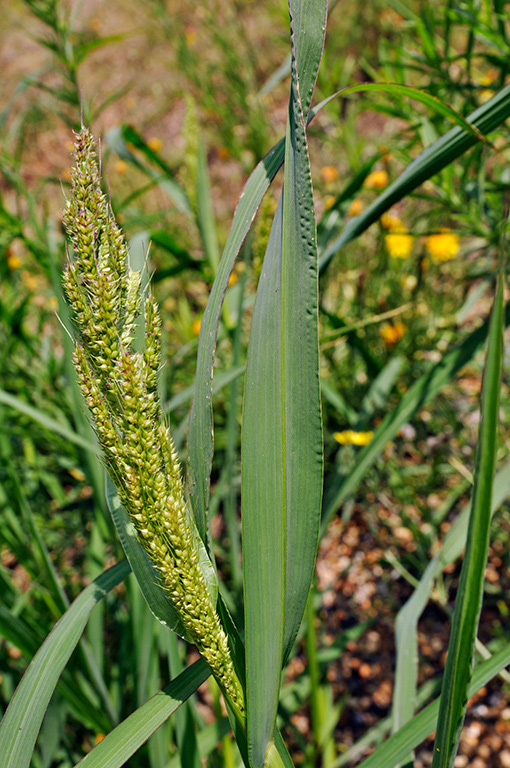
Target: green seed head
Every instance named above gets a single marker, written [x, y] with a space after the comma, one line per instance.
[120, 388]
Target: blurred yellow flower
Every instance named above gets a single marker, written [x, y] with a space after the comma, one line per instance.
[392, 222]
[77, 474]
[485, 80]
[190, 34]
[377, 180]
[329, 202]
[390, 334]
[356, 207]
[120, 166]
[443, 246]
[232, 279]
[329, 174]
[155, 144]
[13, 261]
[399, 244]
[485, 95]
[223, 153]
[29, 281]
[195, 327]
[351, 437]
[53, 303]
[99, 737]
[95, 24]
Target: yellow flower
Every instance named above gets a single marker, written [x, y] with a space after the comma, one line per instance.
[155, 144]
[351, 437]
[121, 166]
[329, 174]
[356, 207]
[14, 261]
[196, 326]
[443, 246]
[190, 34]
[29, 281]
[77, 474]
[399, 244]
[99, 737]
[232, 279]
[391, 222]
[377, 180]
[329, 202]
[390, 334]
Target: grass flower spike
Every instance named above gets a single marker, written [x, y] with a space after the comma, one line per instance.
[120, 387]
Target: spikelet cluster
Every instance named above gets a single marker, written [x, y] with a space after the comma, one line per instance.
[120, 388]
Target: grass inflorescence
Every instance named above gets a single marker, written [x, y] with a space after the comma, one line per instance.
[119, 385]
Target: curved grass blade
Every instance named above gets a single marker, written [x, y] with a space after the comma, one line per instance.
[413, 733]
[339, 487]
[406, 626]
[450, 146]
[429, 162]
[200, 431]
[121, 743]
[24, 715]
[220, 381]
[48, 422]
[20, 634]
[468, 604]
[282, 429]
[120, 136]
[149, 581]
[422, 97]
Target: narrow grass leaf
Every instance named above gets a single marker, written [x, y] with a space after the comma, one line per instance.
[200, 431]
[429, 162]
[468, 604]
[121, 743]
[406, 626]
[413, 733]
[339, 486]
[118, 139]
[21, 635]
[221, 381]
[432, 102]
[24, 715]
[282, 431]
[205, 215]
[47, 421]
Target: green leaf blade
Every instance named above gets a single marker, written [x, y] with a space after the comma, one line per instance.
[429, 162]
[121, 743]
[468, 604]
[200, 430]
[22, 721]
[413, 733]
[282, 427]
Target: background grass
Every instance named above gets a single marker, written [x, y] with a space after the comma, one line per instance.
[187, 99]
